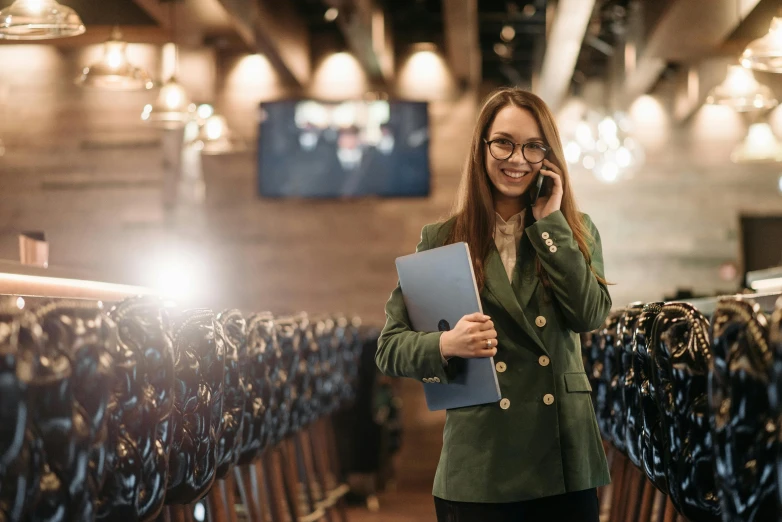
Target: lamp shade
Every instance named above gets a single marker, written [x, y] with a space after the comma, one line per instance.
[172, 109]
[760, 145]
[741, 91]
[39, 20]
[114, 72]
[765, 54]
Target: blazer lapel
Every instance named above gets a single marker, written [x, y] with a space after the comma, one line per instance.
[497, 283]
[525, 279]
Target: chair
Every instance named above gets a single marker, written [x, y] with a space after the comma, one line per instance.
[681, 354]
[743, 425]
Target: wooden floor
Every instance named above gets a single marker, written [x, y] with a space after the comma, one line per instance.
[403, 506]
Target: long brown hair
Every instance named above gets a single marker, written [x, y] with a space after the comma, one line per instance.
[474, 208]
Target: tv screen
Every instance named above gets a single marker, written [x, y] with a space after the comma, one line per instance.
[314, 149]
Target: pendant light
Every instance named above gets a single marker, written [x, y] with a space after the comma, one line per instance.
[172, 109]
[114, 72]
[39, 20]
[765, 54]
[741, 91]
[216, 138]
[211, 134]
[760, 145]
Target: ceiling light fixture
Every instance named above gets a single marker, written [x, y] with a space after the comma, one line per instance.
[603, 145]
[741, 91]
[114, 72]
[214, 137]
[760, 146]
[765, 54]
[39, 20]
[172, 109]
[331, 14]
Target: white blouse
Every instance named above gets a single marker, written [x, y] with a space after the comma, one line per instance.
[507, 235]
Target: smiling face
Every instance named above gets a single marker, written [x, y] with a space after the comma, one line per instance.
[512, 177]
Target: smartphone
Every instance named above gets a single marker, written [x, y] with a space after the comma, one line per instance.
[542, 187]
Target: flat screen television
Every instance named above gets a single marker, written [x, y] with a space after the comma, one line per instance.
[350, 149]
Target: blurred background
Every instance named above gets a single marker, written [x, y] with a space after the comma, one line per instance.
[279, 155]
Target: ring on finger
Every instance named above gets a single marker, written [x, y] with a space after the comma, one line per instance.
[488, 343]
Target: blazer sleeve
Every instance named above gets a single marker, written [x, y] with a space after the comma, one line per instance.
[402, 352]
[584, 301]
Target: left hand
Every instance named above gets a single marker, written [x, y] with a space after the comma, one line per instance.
[551, 203]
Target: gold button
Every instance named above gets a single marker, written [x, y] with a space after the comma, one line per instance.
[436, 379]
[540, 321]
[543, 360]
[544, 235]
[501, 367]
[548, 399]
[549, 242]
[552, 249]
[504, 404]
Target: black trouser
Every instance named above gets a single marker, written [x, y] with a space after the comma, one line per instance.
[577, 506]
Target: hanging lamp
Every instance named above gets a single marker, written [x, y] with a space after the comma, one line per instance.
[172, 109]
[760, 145]
[214, 137]
[741, 91]
[765, 54]
[39, 20]
[114, 72]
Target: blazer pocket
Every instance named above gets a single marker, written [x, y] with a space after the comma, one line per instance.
[577, 382]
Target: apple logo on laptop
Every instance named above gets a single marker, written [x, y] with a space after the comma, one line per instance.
[443, 325]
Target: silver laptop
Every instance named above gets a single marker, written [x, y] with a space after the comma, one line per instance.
[438, 287]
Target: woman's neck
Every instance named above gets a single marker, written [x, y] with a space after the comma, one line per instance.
[507, 208]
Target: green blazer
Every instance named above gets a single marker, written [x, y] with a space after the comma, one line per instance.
[542, 438]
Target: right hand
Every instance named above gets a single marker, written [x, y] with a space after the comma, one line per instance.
[468, 338]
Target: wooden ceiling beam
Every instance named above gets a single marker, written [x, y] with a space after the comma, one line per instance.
[462, 41]
[274, 29]
[368, 34]
[706, 29]
[568, 28]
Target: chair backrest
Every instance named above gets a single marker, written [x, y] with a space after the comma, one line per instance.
[200, 374]
[681, 354]
[232, 327]
[651, 438]
[68, 400]
[743, 425]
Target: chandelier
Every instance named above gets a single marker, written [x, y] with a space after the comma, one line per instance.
[602, 144]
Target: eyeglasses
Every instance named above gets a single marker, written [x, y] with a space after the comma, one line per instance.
[502, 149]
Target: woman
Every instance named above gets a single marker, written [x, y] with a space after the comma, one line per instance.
[537, 453]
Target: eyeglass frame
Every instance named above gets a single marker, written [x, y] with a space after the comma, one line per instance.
[545, 148]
